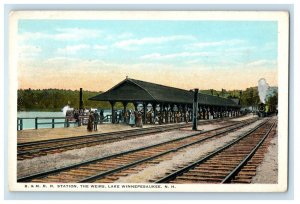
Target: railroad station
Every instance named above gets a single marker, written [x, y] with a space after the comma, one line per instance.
[167, 152]
[167, 101]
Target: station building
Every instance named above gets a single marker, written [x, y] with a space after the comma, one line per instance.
[167, 101]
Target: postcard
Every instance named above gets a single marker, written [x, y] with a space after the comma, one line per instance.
[148, 101]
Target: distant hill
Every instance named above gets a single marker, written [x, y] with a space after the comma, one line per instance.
[248, 97]
[55, 99]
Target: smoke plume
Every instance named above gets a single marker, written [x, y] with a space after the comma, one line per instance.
[263, 87]
[65, 109]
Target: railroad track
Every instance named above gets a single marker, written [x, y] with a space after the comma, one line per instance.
[40, 148]
[235, 162]
[101, 169]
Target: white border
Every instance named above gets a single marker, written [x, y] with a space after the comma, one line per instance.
[283, 34]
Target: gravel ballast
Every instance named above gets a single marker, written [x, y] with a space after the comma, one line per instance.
[267, 171]
[53, 161]
[190, 154]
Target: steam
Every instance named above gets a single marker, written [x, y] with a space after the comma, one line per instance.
[65, 109]
[263, 87]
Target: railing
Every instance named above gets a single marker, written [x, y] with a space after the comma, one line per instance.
[38, 121]
[41, 121]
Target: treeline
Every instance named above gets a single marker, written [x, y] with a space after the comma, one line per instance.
[248, 97]
[55, 99]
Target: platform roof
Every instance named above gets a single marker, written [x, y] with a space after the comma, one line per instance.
[132, 90]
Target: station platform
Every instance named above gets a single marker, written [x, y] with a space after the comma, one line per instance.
[32, 135]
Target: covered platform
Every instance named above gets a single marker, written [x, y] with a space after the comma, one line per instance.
[169, 104]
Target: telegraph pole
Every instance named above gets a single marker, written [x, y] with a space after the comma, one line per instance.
[195, 109]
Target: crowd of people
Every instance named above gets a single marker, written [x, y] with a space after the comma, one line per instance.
[93, 118]
[134, 118]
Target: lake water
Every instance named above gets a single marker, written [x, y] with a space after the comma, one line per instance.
[30, 123]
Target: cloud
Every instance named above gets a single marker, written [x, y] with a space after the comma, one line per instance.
[61, 34]
[218, 43]
[129, 44]
[100, 47]
[72, 49]
[29, 51]
[76, 34]
[159, 56]
[262, 63]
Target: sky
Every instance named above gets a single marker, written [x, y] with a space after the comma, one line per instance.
[96, 55]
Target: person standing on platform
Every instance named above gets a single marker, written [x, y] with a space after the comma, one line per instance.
[125, 117]
[139, 120]
[96, 120]
[121, 117]
[90, 122]
[101, 116]
[178, 117]
[187, 116]
[135, 116]
[159, 117]
[149, 117]
[132, 119]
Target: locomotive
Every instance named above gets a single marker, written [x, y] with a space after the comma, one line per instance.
[265, 110]
[262, 110]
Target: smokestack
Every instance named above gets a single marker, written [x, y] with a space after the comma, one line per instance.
[80, 99]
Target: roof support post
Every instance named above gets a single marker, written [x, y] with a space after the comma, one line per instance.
[180, 110]
[154, 112]
[144, 113]
[172, 113]
[185, 117]
[190, 108]
[199, 112]
[218, 112]
[160, 117]
[211, 112]
[207, 112]
[135, 105]
[195, 109]
[222, 114]
[167, 114]
[125, 110]
[227, 110]
[204, 112]
[112, 103]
